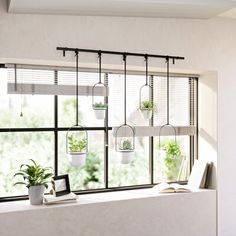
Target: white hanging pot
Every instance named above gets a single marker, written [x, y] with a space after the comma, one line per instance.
[162, 153]
[100, 113]
[77, 159]
[36, 194]
[147, 113]
[126, 156]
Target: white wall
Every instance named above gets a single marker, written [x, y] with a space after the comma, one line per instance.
[206, 44]
[207, 121]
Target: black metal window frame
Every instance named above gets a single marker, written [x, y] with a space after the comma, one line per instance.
[56, 129]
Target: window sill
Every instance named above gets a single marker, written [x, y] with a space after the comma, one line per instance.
[96, 198]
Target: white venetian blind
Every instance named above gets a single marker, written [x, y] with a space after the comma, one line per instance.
[51, 82]
[179, 101]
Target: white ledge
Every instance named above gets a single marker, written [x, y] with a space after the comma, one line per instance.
[96, 198]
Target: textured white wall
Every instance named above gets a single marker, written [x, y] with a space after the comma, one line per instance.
[206, 44]
[190, 214]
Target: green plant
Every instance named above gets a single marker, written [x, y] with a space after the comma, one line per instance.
[100, 105]
[34, 175]
[172, 159]
[147, 105]
[76, 144]
[125, 145]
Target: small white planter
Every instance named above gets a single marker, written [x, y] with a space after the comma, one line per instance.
[126, 156]
[100, 113]
[147, 114]
[77, 159]
[36, 194]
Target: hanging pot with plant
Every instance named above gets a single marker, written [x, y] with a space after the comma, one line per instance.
[127, 151]
[147, 108]
[125, 146]
[98, 105]
[77, 150]
[36, 179]
[100, 110]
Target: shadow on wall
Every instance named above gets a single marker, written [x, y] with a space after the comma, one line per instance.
[208, 143]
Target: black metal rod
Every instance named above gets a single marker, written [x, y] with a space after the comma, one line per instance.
[146, 60]
[56, 126]
[168, 90]
[100, 66]
[77, 86]
[124, 58]
[118, 53]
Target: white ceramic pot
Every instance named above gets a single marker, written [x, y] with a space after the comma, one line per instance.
[77, 159]
[147, 114]
[100, 113]
[126, 156]
[36, 194]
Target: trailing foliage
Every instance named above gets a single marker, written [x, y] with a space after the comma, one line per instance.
[76, 144]
[172, 159]
[34, 175]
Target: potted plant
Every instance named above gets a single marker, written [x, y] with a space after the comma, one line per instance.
[36, 179]
[100, 110]
[172, 160]
[126, 150]
[77, 150]
[147, 108]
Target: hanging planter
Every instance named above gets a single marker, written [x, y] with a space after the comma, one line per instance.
[77, 146]
[125, 143]
[146, 106]
[126, 150]
[125, 134]
[99, 106]
[100, 110]
[164, 149]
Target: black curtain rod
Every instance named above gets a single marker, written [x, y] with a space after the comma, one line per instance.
[65, 49]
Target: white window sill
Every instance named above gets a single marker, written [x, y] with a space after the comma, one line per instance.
[95, 198]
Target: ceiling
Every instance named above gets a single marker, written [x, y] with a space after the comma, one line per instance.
[197, 9]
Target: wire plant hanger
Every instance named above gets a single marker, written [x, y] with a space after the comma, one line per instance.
[99, 107]
[130, 147]
[77, 128]
[146, 105]
[167, 104]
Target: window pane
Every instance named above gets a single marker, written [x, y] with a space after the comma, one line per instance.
[116, 100]
[134, 173]
[37, 111]
[172, 161]
[18, 148]
[67, 112]
[91, 175]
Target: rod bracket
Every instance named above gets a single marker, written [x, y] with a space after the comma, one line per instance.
[124, 56]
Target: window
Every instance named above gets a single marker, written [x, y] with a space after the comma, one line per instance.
[39, 132]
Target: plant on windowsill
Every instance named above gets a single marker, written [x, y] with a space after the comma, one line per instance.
[126, 150]
[100, 110]
[77, 150]
[36, 179]
[147, 108]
